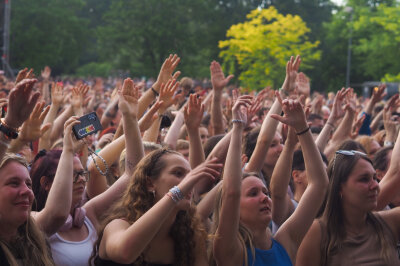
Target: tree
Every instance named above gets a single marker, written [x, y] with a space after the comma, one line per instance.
[48, 32]
[258, 49]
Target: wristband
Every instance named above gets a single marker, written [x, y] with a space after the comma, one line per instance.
[9, 133]
[3, 121]
[388, 143]
[330, 124]
[285, 92]
[155, 92]
[304, 131]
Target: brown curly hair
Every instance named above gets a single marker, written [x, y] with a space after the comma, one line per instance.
[186, 232]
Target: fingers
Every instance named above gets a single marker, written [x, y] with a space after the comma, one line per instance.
[44, 128]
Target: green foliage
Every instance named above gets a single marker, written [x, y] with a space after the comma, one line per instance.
[259, 48]
[47, 32]
[94, 69]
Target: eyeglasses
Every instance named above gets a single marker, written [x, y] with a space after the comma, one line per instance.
[346, 153]
[84, 174]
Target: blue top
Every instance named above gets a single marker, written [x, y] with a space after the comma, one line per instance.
[276, 255]
[365, 127]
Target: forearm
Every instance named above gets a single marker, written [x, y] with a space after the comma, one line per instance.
[144, 102]
[151, 134]
[376, 121]
[45, 140]
[58, 203]
[196, 152]
[281, 175]
[97, 183]
[46, 91]
[216, 113]
[344, 129]
[325, 135]
[58, 124]
[16, 145]
[264, 140]
[173, 132]
[233, 164]
[133, 143]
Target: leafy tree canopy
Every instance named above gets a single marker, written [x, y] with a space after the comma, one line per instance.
[258, 49]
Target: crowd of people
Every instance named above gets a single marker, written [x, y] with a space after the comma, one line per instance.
[183, 174]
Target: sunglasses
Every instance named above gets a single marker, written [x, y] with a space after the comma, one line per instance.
[346, 153]
[84, 174]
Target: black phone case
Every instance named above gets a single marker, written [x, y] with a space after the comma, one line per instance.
[90, 124]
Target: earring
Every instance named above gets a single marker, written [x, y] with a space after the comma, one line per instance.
[154, 193]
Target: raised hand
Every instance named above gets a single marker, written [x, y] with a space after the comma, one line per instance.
[303, 84]
[193, 112]
[78, 98]
[210, 169]
[294, 115]
[70, 143]
[46, 72]
[356, 126]
[292, 67]
[57, 95]
[24, 74]
[391, 126]
[21, 102]
[129, 98]
[167, 94]
[253, 110]
[32, 129]
[218, 79]
[167, 69]
[338, 110]
[240, 109]
[378, 94]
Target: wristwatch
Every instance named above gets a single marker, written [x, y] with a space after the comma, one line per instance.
[8, 132]
[388, 143]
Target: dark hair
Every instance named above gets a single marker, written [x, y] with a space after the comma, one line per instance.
[211, 143]
[312, 117]
[250, 141]
[45, 164]
[339, 170]
[379, 161]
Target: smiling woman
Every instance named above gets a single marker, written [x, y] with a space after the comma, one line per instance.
[21, 241]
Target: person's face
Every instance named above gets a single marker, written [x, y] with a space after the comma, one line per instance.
[255, 204]
[274, 150]
[319, 123]
[361, 189]
[78, 187]
[203, 134]
[174, 172]
[16, 194]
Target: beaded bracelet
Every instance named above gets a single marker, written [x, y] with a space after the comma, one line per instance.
[304, 131]
[155, 92]
[238, 121]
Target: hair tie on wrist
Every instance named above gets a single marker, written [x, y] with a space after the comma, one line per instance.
[155, 92]
[330, 124]
[238, 121]
[304, 131]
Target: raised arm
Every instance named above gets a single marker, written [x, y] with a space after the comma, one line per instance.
[128, 104]
[292, 232]
[32, 129]
[58, 203]
[167, 97]
[57, 97]
[193, 113]
[282, 206]
[124, 242]
[226, 244]
[219, 82]
[391, 181]
[335, 117]
[173, 132]
[269, 125]
[166, 73]
[21, 102]
[377, 96]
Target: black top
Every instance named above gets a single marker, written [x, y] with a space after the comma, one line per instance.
[3, 260]
[100, 262]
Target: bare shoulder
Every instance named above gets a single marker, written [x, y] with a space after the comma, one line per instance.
[309, 250]
[392, 219]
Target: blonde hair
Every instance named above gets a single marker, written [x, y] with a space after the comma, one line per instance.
[30, 242]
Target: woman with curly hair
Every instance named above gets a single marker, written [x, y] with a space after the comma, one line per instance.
[154, 222]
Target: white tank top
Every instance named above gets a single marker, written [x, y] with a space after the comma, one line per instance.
[73, 253]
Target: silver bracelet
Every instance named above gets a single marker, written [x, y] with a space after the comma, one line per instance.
[176, 194]
[238, 121]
